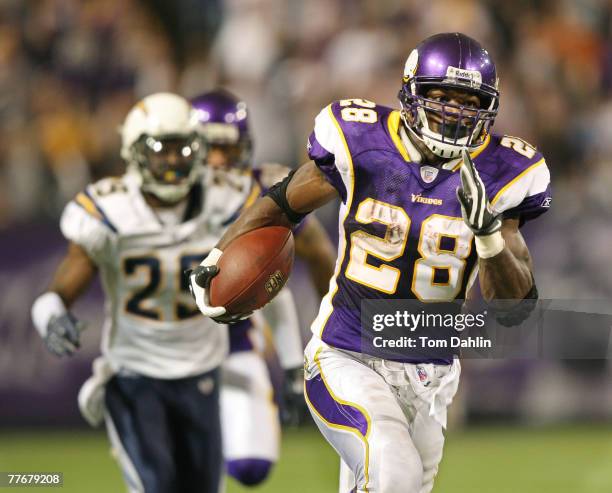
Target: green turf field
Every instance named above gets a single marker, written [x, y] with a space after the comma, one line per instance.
[480, 460]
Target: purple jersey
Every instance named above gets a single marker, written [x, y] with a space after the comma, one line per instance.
[401, 231]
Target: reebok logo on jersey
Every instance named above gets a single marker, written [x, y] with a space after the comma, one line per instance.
[426, 200]
[546, 202]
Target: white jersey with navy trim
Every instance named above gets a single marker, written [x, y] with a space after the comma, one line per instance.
[152, 325]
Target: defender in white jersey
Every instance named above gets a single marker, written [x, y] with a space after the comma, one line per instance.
[157, 379]
[250, 424]
[157, 382]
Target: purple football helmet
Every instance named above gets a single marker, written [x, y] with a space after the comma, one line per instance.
[449, 61]
[223, 121]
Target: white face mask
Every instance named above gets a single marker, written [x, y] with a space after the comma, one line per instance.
[167, 167]
[168, 193]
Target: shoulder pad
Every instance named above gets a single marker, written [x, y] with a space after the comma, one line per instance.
[113, 200]
[519, 180]
[516, 151]
[88, 230]
[90, 201]
[108, 186]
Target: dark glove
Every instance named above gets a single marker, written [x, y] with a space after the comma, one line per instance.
[199, 282]
[475, 206]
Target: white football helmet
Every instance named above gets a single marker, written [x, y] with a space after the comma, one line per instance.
[161, 145]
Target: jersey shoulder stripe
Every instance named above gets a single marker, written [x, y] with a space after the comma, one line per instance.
[85, 200]
[528, 173]
[122, 205]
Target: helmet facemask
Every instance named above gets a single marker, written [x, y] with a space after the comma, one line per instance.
[169, 165]
[446, 128]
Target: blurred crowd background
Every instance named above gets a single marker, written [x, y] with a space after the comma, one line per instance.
[71, 69]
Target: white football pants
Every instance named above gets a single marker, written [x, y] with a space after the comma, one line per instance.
[384, 418]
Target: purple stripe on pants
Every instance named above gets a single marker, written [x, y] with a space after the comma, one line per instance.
[332, 410]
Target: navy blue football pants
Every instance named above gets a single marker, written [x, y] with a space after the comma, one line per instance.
[166, 433]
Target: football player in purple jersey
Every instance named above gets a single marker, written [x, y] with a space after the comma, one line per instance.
[250, 431]
[431, 200]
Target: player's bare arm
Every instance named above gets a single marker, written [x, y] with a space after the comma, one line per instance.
[314, 247]
[57, 326]
[74, 274]
[505, 269]
[286, 203]
[507, 275]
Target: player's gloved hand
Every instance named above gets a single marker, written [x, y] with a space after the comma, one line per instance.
[59, 329]
[231, 319]
[294, 410]
[199, 282]
[63, 334]
[476, 210]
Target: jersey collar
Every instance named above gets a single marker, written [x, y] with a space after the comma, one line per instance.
[411, 154]
[400, 139]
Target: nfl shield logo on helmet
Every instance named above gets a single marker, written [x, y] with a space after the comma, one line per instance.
[428, 173]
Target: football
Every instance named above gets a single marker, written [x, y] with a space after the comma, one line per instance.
[253, 269]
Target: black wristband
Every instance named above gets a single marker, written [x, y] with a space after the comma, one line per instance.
[278, 193]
